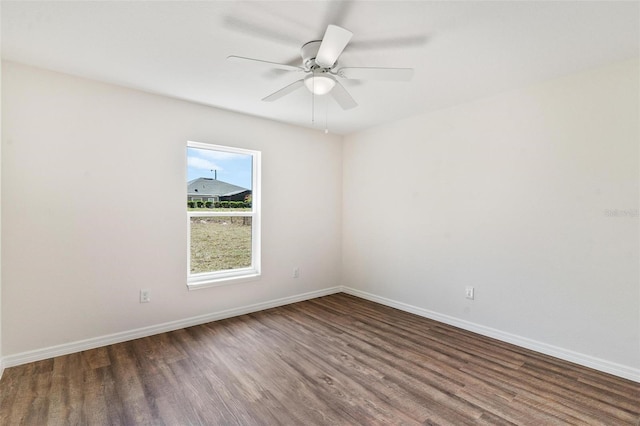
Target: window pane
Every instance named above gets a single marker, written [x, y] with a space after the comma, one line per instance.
[220, 243]
[218, 179]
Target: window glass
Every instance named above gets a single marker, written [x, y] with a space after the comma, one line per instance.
[223, 214]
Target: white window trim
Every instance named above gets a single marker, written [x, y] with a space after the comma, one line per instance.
[232, 276]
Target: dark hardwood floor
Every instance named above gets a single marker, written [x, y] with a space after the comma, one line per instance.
[335, 360]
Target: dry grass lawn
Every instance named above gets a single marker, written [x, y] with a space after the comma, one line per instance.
[220, 243]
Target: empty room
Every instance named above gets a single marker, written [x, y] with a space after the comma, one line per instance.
[320, 213]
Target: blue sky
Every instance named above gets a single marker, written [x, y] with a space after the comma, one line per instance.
[232, 168]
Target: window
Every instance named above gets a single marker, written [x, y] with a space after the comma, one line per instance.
[223, 214]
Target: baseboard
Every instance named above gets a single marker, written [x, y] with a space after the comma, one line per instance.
[561, 353]
[83, 345]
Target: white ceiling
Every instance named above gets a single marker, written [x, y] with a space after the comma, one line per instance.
[460, 50]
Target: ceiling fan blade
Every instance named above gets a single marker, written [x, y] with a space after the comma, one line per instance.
[277, 72]
[284, 91]
[333, 43]
[386, 74]
[270, 64]
[342, 97]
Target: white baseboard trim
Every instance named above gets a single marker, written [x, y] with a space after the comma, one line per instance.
[96, 342]
[561, 353]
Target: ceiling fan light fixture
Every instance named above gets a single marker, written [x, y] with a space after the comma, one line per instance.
[319, 84]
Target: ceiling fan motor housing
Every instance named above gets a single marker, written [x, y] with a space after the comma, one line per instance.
[309, 51]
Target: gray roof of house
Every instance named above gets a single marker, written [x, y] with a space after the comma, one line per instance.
[209, 186]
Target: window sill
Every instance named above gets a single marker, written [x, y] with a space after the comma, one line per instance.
[217, 281]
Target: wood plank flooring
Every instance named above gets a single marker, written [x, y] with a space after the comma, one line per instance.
[335, 360]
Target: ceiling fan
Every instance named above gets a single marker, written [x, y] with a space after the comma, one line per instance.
[319, 62]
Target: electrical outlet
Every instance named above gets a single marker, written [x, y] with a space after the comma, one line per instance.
[145, 296]
[296, 272]
[469, 292]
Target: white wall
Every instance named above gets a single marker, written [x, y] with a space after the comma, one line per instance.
[93, 199]
[510, 195]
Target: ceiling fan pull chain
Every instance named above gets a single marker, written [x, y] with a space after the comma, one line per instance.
[313, 104]
[326, 116]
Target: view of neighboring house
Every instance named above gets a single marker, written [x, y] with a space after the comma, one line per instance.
[209, 189]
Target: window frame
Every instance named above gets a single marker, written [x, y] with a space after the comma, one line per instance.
[230, 276]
